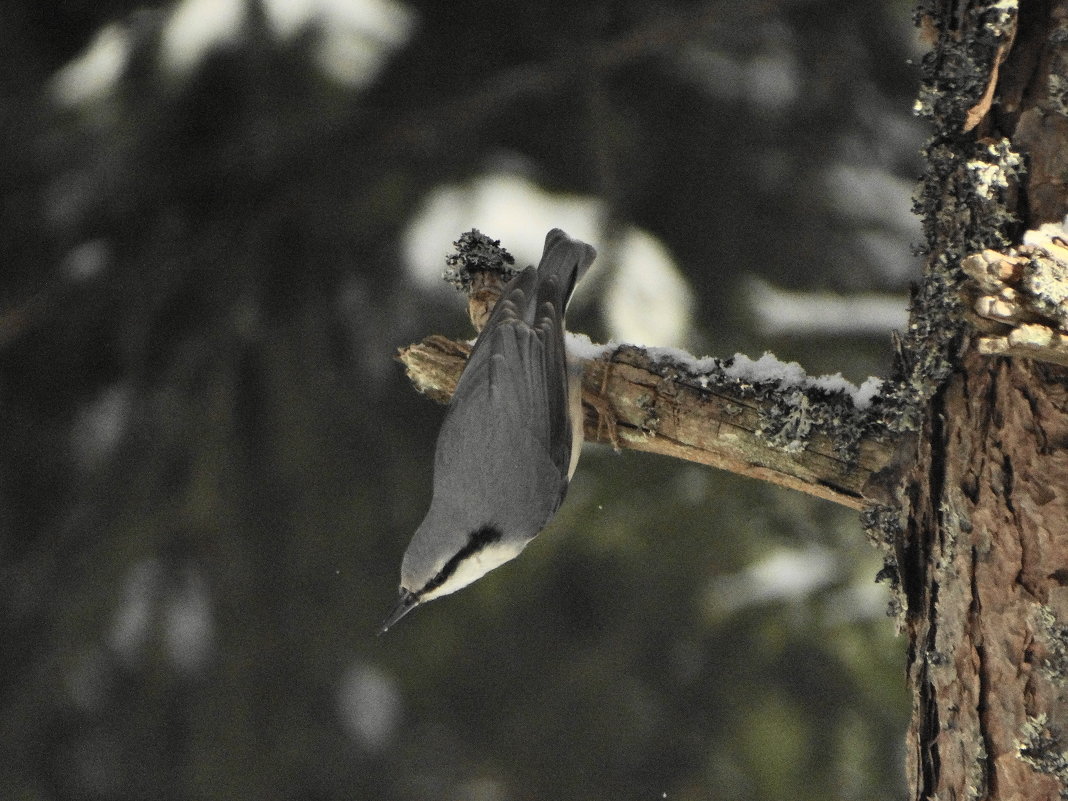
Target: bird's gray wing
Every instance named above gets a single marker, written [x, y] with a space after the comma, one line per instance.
[505, 443]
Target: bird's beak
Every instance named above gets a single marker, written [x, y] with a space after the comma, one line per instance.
[408, 601]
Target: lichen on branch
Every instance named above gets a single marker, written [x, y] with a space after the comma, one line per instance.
[810, 438]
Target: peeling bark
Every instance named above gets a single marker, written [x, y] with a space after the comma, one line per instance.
[1019, 298]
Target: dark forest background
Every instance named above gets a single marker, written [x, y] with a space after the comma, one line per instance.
[210, 465]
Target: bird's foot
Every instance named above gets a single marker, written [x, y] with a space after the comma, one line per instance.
[607, 422]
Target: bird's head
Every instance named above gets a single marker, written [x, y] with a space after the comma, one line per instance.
[436, 565]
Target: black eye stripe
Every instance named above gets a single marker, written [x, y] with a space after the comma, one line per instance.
[476, 541]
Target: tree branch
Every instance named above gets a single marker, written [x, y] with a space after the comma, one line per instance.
[805, 438]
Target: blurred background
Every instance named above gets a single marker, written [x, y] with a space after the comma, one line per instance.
[219, 219]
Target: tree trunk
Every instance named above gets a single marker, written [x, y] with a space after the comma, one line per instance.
[987, 657]
[984, 555]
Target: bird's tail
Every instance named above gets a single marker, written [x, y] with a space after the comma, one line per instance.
[563, 263]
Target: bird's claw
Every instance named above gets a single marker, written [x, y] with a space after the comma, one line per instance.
[606, 417]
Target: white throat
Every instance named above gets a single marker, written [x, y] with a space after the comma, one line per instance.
[475, 567]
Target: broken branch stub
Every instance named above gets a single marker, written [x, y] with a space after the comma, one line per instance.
[480, 267]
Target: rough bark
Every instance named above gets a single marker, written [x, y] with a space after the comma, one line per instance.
[984, 557]
[985, 578]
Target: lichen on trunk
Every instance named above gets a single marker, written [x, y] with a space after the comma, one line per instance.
[984, 563]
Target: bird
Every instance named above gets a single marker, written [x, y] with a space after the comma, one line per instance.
[511, 436]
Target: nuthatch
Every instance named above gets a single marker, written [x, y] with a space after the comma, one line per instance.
[511, 437]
